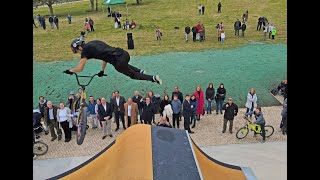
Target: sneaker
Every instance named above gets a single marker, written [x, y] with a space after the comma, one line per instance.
[34, 156]
[59, 138]
[103, 137]
[67, 140]
[143, 71]
[191, 132]
[193, 126]
[117, 129]
[110, 135]
[157, 79]
[223, 131]
[54, 138]
[230, 132]
[263, 141]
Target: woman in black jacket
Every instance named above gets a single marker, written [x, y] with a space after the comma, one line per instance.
[165, 101]
[220, 96]
[153, 100]
[209, 98]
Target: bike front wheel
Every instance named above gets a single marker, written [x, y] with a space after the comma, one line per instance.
[242, 132]
[82, 126]
[40, 148]
[269, 130]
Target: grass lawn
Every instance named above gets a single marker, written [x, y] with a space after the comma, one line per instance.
[53, 45]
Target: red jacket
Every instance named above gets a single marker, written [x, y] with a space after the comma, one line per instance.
[200, 108]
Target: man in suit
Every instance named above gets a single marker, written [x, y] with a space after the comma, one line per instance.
[105, 114]
[118, 109]
[50, 116]
[148, 111]
[137, 99]
[131, 112]
[187, 112]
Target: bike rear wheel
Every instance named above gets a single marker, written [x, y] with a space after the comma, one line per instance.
[82, 126]
[40, 148]
[269, 130]
[242, 132]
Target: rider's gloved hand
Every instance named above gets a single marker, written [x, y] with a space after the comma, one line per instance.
[68, 72]
[100, 74]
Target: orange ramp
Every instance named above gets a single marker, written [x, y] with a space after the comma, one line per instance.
[144, 152]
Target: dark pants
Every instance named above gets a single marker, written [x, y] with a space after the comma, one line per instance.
[194, 36]
[272, 36]
[219, 38]
[263, 132]
[259, 26]
[193, 118]
[242, 33]
[57, 25]
[44, 26]
[129, 121]
[283, 125]
[219, 10]
[147, 121]
[225, 125]
[91, 27]
[250, 110]
[187, 123]
[66, 130]
[174, 119]
[118, 114]
[123, 67]
[35, 25]
[236, 32]
[54, 125]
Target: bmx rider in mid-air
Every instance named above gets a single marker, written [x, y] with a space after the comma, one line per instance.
[118, 57]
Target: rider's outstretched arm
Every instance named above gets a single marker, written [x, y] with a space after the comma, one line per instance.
[80, 66]
[104, 64]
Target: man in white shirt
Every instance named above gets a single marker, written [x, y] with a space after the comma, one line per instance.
[105, 114]
[131, 112]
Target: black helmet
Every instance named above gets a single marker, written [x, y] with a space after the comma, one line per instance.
[76, 43]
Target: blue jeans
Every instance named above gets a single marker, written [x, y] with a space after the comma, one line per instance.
[219, 104]
[263, 132]
[209, 106]
[193, 118]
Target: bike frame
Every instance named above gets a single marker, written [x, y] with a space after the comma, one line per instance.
[83, 87]
[253, 127]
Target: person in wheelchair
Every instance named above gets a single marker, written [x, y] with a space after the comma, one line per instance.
[259, 120]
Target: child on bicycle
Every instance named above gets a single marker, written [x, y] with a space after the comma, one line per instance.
[259, 120]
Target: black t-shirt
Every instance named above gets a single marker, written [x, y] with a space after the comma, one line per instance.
[99, 50]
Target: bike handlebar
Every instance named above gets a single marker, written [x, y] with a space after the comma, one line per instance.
[246, 118]
[86, 76]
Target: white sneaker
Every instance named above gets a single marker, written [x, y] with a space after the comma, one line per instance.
[143, 71]
[157, 79]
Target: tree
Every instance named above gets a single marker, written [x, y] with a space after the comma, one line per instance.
[96, 5]
[92, 4]
[49, 3]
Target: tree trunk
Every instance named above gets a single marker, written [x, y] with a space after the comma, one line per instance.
[51, 9]
[96, 5]
[92, 4]
[138, 1]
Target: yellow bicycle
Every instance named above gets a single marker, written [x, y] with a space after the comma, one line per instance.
[243, 132]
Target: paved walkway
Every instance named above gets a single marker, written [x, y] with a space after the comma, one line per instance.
[267, 160]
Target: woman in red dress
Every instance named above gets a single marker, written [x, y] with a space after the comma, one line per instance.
[200, 98]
